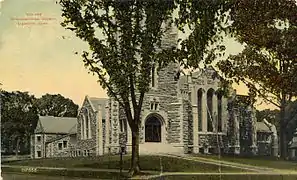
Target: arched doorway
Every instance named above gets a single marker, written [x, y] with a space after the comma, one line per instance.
[153, 129]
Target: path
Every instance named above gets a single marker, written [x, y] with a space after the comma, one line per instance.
[224, 163]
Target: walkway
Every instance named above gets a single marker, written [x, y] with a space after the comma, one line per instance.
[258, 169]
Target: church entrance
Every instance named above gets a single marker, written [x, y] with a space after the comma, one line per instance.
[153, 129]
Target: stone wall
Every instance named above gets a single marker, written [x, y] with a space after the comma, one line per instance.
[264, 148]
[211, 142]
[38, 145]
[52, 148]
[114, 126]
[91, 143]
[187, 126]
[265, 143]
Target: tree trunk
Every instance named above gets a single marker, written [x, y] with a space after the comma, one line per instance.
[283, 132]
[135, 168]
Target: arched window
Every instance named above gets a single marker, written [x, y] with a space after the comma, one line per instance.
[199, 107]
[219, 96]
[87, 124]
[153, 130]
[210, 93]
[82, 128]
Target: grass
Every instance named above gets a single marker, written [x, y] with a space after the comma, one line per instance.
[69, 173]
[257, 161]
[149, 163]
[228, 177]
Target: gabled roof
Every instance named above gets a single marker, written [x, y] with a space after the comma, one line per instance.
[95, 102]
[262, 127]
[59, 125]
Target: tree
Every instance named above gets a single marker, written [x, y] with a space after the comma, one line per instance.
[291, 118]
[267, 65]
[272, 116]
[56, 105]
[18, 118]
[131, 42]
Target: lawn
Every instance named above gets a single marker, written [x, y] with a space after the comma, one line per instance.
[228, 177]
[257, 161]
[149, 163]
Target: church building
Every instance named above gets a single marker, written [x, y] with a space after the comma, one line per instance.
[186, 114]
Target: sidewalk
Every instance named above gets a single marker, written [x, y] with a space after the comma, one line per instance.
[223, 163]
[259, 169]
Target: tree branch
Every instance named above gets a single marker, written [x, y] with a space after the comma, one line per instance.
[259, 92]
[107, 85]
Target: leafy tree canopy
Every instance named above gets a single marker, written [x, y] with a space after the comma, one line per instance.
[56, 105]
[128, 38]
[267, 65]
[18, 117]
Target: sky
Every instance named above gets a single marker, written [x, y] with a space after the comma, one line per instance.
[35, 58]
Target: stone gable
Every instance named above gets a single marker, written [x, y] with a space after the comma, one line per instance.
[90, 143]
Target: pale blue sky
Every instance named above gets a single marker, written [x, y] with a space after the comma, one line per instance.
[36, 58]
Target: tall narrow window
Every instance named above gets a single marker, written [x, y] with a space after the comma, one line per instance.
[125, 126]
[219, 111]
[153, 76]
[199, 107]
[38, 138]
[64, 144]
[87, 124]
[210, 93]
[82, 127]
[121, 125]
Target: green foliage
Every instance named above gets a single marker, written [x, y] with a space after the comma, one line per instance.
[56, 105]
[132, 35]
[267, 65]
[272, 116]
[18, 118]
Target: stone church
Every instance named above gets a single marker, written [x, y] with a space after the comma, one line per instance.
[188, 114]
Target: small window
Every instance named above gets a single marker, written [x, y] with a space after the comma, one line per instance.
[88, 152]
[60, 145]
[64, 144]
[38, 153]
[78, 153]
[156, 106]
[152, 106]
[38, 138]
[85, 152]
[211, 150]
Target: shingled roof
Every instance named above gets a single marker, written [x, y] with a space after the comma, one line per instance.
[59, 125]
[262, 127]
